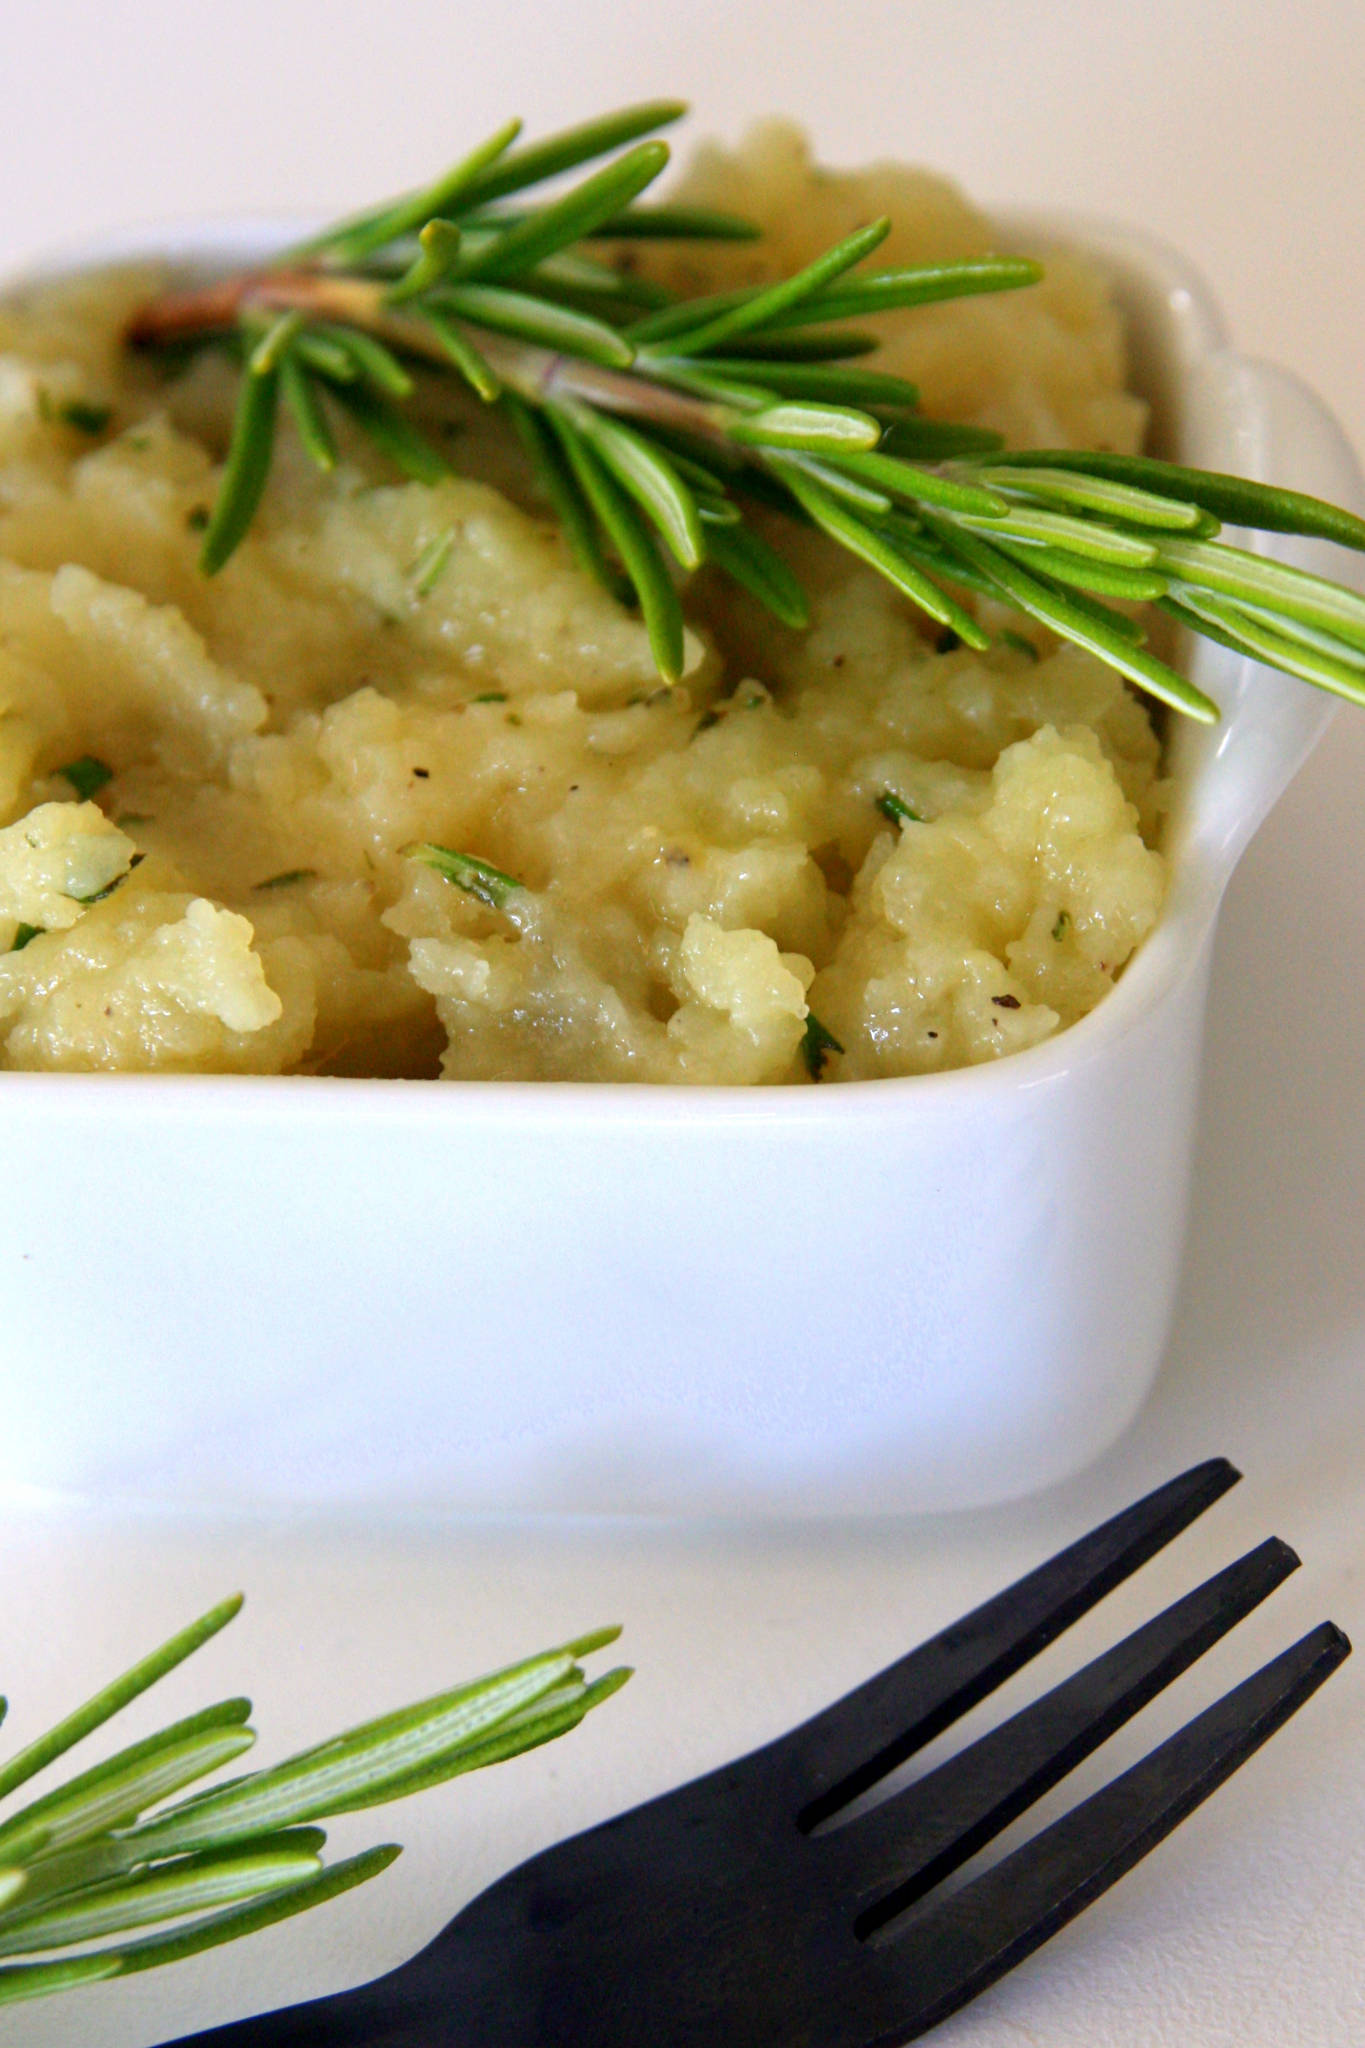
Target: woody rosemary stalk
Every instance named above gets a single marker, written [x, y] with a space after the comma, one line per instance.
[655, 426]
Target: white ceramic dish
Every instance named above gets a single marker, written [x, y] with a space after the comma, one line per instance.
[896, 1295]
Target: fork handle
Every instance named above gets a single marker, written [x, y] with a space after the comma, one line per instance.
[363, 2018]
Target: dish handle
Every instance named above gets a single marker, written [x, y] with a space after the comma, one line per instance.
[1271, 722]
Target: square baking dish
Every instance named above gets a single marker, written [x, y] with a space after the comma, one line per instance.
[883, 1296]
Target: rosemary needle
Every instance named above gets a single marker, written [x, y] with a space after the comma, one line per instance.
[128, 1846]
[656, 425]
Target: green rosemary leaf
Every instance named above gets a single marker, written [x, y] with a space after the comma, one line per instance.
[24, 935]
[574, 146]
[87, 775]
[578, 214]
[1020, 642]
[795, 347]
[817, 1043]
[937, 440]
[767, 306]
[427, 569]
[561, 487]
[680, 373]
[1232, 626]
[537, 320]
[834, 478]
[553, 1716]
[1282, 622]
[886, 291]
[394, 434]
[475, 877]
[595, 1639]
[1081, 625]
[1059, 530]
[1234, 572]
[229, 1925]
[651, 480]
[12, 1883]
[678, 223]
[747, 558]
[325, 355]
[823, 429]
[440, 243]
[245, 471]
[897, 809]
[377, 365]
[320, 1782]
[40, 1980]
[472, 365]
[269, 352]
[880, 552]
[633, 542]
[1115, 501]
[1233, 499]
[1078, 572]
[1088, 606]
[576, 279]
[114, 1793]
[303, 401]
[145, 1901]
[832, 384]
[904, 480]
[365, 233]
[111, 1698]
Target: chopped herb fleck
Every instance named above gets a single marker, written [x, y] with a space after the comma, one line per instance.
[283, 880]
[23, 935]
[422, 774]
[87, 775]
[197, 518]
[897, 809]
[490, 697]
[513, 718]
[127, 818]
[1063, 924]
[1006, 1002]
[85, 415]
[476, 877]
[1020, 642]
[948, 641]
[817, 1043]
[117, 883]
[426, 570]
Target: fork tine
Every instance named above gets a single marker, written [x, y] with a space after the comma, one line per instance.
[849, 1746]
[907, 1845]
[953, 1948]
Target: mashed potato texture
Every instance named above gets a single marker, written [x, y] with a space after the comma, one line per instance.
[208, 788]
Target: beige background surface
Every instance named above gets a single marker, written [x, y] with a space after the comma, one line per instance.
[1236, 134]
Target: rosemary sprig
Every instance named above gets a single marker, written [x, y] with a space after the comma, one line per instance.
[654, 426]
[126, 1846]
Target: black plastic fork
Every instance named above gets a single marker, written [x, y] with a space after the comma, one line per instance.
[724, 1914]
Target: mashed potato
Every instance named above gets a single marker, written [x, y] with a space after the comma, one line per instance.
[207, 787]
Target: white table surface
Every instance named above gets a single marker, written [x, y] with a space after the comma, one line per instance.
[1248, 1928]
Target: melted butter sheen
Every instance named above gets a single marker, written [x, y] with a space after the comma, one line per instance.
[700, 869]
